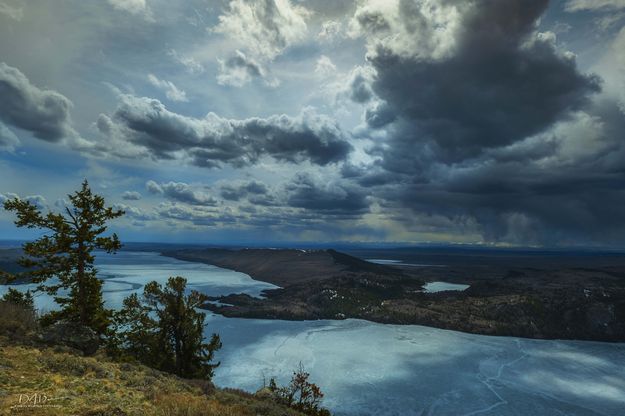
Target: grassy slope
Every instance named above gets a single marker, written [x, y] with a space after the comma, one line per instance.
[95, 386]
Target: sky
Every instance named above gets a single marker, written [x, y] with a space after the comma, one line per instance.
[399, 121]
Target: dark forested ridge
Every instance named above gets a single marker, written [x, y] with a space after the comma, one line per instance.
[535, 294]
[283, 267]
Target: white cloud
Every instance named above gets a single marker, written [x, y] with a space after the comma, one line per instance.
[136, 7]
[37, 200]
[239, 70]
[428, 29]
[609, 20]
[171, 91]
[579, 5]
[7, 196]
[131, 196]
[191, 65]
[181, 192]
[330, 30]
[135, 213]
[265, 28]
[324, 66]
[611, 68]
[12, 12]
[8, 139]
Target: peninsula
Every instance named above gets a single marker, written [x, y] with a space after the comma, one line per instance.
[536, 302]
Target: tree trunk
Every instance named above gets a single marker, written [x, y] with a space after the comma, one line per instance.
[80, 277]
[178, 348]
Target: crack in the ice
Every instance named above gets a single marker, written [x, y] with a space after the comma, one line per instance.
[288, 337]
[488, 380]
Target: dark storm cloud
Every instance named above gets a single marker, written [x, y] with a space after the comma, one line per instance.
[213, 141]
[488, 124]
[45, 113]
[326, 198]
[499, 84]
[359, 87]
[198, 216]
[181, 192]
[8, 139]
[562, 187]
[234, 192]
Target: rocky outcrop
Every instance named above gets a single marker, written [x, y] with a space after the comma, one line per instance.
[72, 335]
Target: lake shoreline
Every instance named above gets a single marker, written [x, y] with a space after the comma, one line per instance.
[504, 307]
[365, 368]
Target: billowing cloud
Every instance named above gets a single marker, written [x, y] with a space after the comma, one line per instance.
[171, 91]
[236, 191]
[324, 66]
[131, 196]
[181, 192]
[7, 196]
[487, 122]
[359, 84]
[436, 120]
[577, 5]
[136, 7]
[239, 70]
[135, 213]
[326, 197]
[511, 82]
[8, 139]
[37, 200]
[44, 113]
[199, 216]
[330, 31]
[191, 65]
[12, 12]
[143, 124]
[264, 27]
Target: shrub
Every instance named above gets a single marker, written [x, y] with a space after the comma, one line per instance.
[300, 394]
[16, 297]
[18, 319]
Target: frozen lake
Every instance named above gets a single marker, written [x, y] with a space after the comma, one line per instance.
[433, 287]
[372, 369]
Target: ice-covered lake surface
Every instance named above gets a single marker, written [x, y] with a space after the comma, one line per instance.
[392, 262]
[433, 287]
[373, 369]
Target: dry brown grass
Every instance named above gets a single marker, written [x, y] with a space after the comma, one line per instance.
[95, 386]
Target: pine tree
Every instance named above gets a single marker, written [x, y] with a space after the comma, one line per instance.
[163, 329]
[65, 251]
[24, 299]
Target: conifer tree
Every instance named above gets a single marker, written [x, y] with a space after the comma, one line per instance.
[163, 329]
[24, 299]
[65, 252]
